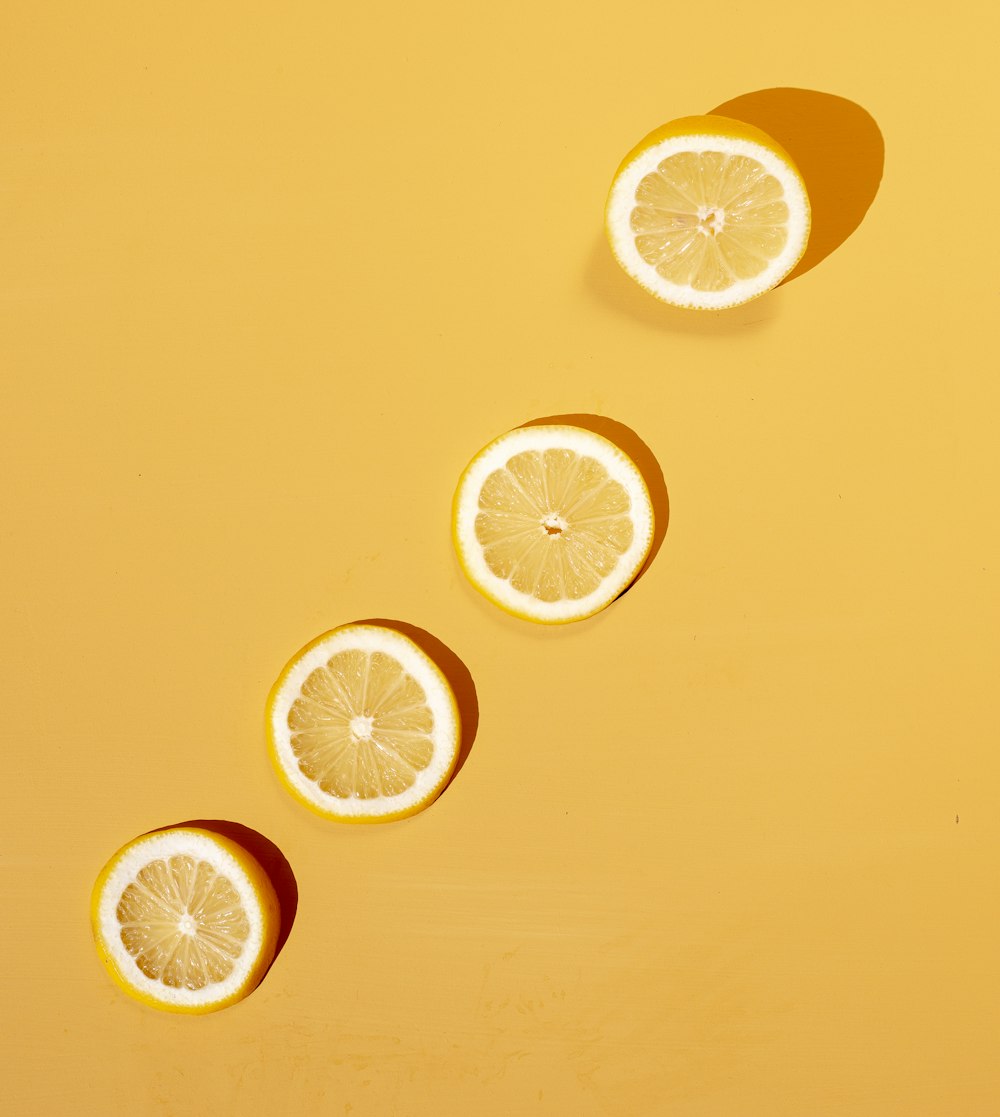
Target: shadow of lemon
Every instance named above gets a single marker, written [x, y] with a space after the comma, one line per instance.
[838, 149]
[271, 860]
[645, 461]
[459, 679]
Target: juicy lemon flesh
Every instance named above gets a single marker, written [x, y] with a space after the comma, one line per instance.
[183, 923]
[361, 727]
[553, 523]
[708, 219]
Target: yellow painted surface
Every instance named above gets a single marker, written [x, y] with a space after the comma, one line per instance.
[269, 276]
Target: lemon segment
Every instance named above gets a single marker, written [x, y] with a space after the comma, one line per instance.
[362, 726]
[551, 523]
[707, 213]
[185, 920]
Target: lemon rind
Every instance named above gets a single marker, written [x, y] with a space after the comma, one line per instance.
[441, 700]
[251, 883]
[465, 507]
[645, 159]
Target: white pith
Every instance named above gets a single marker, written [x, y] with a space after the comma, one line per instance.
[445, 734]
[161, 847]
[621, 203]
[582, 442]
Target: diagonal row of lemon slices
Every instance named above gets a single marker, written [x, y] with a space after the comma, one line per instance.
[549, 522]
[707, 213]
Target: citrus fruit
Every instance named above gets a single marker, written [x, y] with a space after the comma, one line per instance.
[185, 920]
[362, 725]
[707, 212]
[551, 523]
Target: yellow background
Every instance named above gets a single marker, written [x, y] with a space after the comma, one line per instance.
[270, 275]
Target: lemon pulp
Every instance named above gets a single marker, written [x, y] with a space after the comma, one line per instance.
[553, 523]
[361, 727]
[706, 219]
[182, 922]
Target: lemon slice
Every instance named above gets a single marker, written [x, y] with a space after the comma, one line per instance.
[707, 212]
[362, 726]
[551, 523]
[185, 920]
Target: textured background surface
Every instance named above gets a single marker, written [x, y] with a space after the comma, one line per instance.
[269, 278]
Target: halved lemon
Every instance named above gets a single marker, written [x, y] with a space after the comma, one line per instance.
[363, 726]
[185, 920]
[552, 523]
[707, 212]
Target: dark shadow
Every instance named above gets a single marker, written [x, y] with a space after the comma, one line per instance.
[272, 861]
[838, 149]
[605, 280]
[631, 444]
[459, 679]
